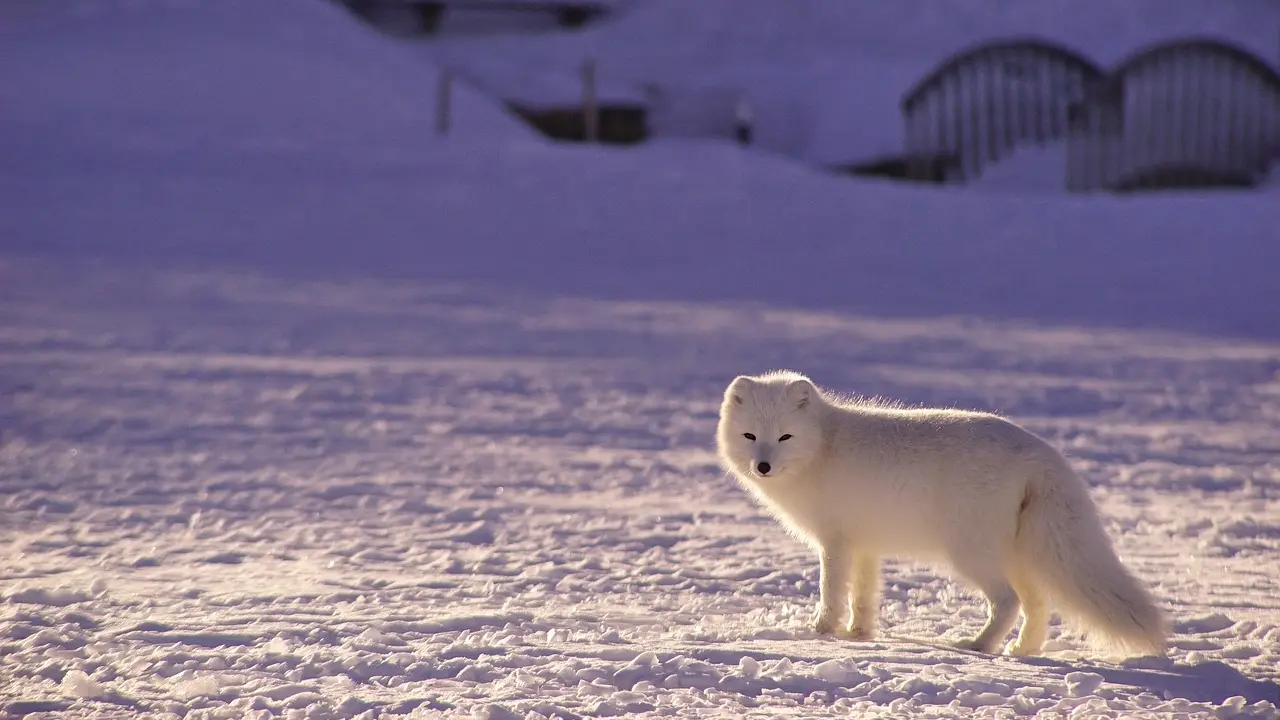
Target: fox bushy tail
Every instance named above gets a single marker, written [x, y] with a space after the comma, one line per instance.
[1066, 547]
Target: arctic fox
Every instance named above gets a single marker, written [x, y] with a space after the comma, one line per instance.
[859, 480]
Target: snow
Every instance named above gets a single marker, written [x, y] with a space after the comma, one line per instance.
[682, 221]
[78, 684]
[308, 412]
[284, 76]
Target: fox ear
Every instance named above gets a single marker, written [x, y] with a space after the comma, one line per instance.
[736, 389]
[802, 393]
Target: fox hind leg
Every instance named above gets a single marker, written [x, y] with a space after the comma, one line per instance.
[1035, 617]
[1002, 613]
[1002, 605]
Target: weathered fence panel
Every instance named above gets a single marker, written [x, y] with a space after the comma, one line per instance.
[981, 103]
[1193, 112]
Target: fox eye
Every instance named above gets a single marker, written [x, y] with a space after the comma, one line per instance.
[749, 436]
[785, 437]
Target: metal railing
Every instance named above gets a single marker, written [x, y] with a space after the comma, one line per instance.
[1185, 113]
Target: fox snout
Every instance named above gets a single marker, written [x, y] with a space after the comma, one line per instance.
[760, 462]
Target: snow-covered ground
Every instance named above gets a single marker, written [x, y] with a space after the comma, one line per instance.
[305, 412]
[229, 493]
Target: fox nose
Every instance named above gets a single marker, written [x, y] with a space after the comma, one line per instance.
[763, 468]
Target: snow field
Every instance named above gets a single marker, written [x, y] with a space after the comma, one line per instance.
[259, 497]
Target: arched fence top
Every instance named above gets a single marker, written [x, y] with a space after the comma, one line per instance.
[1182, 47]
[1028, 46]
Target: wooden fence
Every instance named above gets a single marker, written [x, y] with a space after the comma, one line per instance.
[1186, 113]
[981, 103]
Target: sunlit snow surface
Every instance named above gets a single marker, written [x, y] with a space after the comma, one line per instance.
[247, 492]
[298, 419]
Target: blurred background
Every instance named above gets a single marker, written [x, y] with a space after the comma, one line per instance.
[1082, 162]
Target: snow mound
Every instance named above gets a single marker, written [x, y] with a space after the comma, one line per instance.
[284, 76]
[59, 596]
[78, 684]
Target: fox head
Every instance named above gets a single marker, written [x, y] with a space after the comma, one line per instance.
[769, 425]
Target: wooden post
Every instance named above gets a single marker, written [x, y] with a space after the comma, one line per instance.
[590, 102]
[743, 120]
[444, 101]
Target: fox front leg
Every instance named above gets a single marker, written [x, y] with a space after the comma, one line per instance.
[835, 564]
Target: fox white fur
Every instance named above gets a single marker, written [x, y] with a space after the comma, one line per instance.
[860, 480]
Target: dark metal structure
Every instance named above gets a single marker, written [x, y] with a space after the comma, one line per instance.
[933, 167]
[1194, 112]
[617, 124]
[424, 17]
[980, 103]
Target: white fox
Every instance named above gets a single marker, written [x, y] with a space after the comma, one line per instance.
[859, 480]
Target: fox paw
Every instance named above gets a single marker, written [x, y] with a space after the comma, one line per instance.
[825, 625]
[860, 633]
[1017, 649]
[973, 645]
